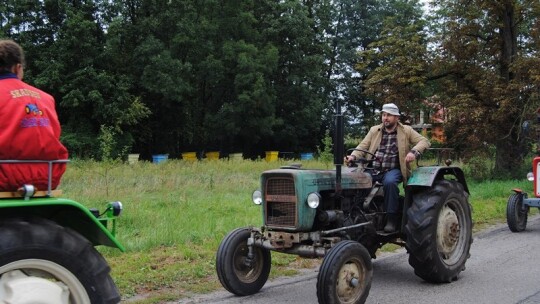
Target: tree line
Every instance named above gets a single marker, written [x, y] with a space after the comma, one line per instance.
[168, 76]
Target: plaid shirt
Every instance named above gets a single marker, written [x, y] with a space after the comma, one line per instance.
[387, 156]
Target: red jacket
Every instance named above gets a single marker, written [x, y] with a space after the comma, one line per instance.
[29, 130]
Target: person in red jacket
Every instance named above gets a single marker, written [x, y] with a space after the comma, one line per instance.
[29, 126]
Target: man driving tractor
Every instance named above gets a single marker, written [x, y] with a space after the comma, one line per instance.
[391, 144]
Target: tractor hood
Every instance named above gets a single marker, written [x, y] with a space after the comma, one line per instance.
[324, 180]
[285, 193]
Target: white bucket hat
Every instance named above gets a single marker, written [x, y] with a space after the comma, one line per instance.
[391, 109]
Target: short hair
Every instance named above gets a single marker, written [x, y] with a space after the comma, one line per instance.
[10, 54]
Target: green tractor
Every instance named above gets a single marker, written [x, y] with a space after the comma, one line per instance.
[337, 215]
[47, 252]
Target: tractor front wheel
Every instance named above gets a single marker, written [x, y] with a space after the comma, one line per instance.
[42, 262]
[345, 274]
[516, 213]
[239, 271]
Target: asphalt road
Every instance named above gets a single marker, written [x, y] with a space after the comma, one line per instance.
[503, 269]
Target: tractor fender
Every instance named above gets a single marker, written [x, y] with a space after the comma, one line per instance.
[426, 176]
[66, 213]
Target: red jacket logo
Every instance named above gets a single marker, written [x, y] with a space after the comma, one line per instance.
[33, 108]
[35, 120]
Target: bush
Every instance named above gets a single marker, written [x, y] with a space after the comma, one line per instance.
[325, 151]
[351, 143]
[479, 168]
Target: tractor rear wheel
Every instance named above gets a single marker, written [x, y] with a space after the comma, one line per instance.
[237, 271]
[439, 232]
[345, 274]
[42, 262]
[516, 213]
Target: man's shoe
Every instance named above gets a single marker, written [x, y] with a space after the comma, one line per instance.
[391, 223]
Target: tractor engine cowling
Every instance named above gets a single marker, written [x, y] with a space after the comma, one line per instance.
[285, 195]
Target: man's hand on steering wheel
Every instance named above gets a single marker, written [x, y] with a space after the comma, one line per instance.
[351, 160]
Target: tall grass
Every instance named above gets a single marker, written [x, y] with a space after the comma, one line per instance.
[171, 203]
[177, 212]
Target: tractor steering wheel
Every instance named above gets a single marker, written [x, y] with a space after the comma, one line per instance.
[360, 160]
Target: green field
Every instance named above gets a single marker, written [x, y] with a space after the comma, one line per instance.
[176, 213]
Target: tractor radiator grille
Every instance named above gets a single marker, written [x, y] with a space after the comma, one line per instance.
[280, 202]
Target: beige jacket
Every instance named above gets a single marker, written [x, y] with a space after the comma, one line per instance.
[407, 139]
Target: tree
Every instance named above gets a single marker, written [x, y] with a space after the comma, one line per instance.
[478, 65]
[353, 27]
[172, 76]
[397, 61]
[484, 46]
[275, 61]
[395, 64]
[296, 30]
[243, 103]
[76, 71]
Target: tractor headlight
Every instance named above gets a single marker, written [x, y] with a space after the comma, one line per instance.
[115, 208]
[313, 200]
[530, 176]
[257, 197]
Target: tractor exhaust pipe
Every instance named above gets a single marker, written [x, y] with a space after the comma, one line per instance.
[338, 148]
[538, 132]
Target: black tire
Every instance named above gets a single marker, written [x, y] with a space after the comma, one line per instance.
[233, 273]
[38, 250]
[439, 232]
[345, 262]
[516, 215]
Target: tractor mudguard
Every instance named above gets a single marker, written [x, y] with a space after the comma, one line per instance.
[66, 213]
[426, 176]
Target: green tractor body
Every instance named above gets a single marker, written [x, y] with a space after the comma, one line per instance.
[426, 176]
[47, 248]
[286, 191]
[339, 215]
[99, 230]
